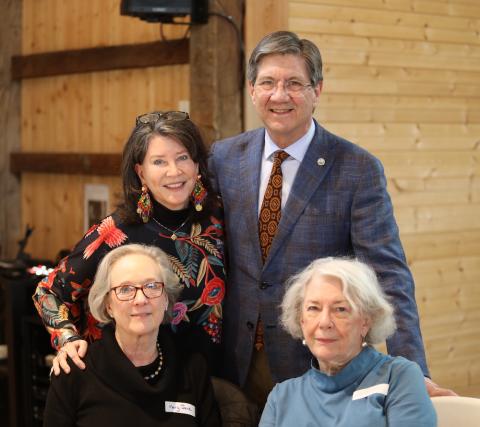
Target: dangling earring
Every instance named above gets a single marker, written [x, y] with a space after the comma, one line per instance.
[144, 205]
[304, 342]
[199, 194]
[364, 341]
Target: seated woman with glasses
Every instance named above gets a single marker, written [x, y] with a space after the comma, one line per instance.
[135, 374]
[168, 202]
[339, 310]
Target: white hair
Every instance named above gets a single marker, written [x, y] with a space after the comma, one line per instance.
[359, 286]
[97, 297]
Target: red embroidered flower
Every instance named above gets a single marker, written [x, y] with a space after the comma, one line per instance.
[214, 292]
[213, 327]
[108, 233]
[179, 310]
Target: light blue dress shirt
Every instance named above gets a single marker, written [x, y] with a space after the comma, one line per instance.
[290, 166]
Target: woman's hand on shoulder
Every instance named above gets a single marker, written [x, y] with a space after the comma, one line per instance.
[76, 350]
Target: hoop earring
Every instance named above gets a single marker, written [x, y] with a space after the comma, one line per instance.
[199, 194]
[144, 204]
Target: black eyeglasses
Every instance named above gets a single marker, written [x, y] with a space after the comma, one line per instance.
[152, 118]
[128, 291]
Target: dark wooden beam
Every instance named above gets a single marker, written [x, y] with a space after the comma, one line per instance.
[105, 164]
[169, 52]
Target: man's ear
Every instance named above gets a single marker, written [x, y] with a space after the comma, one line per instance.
[251, 89]
[317, 90]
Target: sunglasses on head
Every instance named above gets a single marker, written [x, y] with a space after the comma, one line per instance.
[152, 118]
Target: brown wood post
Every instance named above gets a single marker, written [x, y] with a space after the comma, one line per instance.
[216, 72]
[10, 44]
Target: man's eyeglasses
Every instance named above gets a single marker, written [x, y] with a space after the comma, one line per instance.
[152, 118]
[128, 291]
[290, 86]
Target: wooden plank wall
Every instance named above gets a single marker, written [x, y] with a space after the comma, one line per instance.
[91, 112]
[402, 79]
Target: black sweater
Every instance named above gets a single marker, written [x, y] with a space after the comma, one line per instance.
[112, 392]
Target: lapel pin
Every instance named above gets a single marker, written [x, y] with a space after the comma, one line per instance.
[320, 161]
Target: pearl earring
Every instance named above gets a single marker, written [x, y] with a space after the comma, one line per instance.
[364, 341]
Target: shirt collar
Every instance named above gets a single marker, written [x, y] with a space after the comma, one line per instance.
[296, 150]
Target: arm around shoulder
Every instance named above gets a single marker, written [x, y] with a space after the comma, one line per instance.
[376, 241]
[60, 298]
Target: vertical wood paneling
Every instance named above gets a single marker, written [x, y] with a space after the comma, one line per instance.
[50, 25]
[402, 79]
[53, 204]
[95, 112]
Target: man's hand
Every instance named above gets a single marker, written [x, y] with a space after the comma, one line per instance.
[435, 390]
[76, 350]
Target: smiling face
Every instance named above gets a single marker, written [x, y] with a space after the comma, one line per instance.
[168, 171]
[140, 316]
[332, 330]
[287, 117]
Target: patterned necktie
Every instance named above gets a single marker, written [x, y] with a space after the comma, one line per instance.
[268, 220]
[271, 206]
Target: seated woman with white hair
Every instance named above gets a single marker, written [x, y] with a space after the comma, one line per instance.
[134, 374]
[338, 308]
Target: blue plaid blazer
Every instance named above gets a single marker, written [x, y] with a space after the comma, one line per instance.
[341, 208]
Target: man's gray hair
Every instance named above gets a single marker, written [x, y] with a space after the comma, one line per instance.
[97, 297]
[282, 43]
[359, 286]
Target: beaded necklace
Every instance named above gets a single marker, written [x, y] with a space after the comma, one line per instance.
[160, 364]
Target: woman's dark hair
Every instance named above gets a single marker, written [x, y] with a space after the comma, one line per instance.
[166, 124]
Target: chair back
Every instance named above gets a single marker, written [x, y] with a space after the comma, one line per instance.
[236, 409]
[457, 411]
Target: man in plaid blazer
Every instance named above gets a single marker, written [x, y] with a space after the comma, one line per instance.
[334, 203]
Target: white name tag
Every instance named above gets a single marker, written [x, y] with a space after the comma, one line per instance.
[180, 408]
[379, 388]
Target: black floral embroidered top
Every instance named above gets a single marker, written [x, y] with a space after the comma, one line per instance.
[196, 253]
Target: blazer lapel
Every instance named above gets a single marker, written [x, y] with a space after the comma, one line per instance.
[250, 164]
[309, 176]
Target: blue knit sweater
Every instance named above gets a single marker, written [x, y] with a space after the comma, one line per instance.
[372, 390]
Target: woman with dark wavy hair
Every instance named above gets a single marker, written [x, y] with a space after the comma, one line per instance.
[169, 203]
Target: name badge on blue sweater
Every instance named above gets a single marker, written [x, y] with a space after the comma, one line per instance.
[376, 389]
[180, 408]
